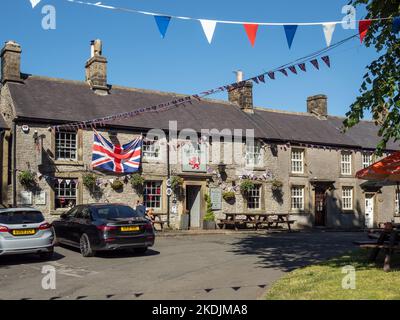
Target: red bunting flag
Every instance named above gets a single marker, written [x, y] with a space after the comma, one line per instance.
[261, 78]
[293, 69]
[251, 30]
[363, 27]
[255, 79]
[315, 63]
[326, 60]
[302, 67]
[271, 75]
[284, 72]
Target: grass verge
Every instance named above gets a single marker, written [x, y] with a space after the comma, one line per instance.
[323, 281]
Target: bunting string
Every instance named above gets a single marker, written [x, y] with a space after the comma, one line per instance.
[163, 20]
[182, 101]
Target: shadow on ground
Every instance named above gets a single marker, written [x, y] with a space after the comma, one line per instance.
[115, 254]
[12, 260]
[289, 251]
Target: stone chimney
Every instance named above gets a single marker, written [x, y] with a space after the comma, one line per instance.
[318, 105]
[243, 94]
[11, 62]
[96, 69]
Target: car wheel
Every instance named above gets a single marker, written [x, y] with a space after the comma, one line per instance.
[46, 255]
[141, 250]
[85, 247]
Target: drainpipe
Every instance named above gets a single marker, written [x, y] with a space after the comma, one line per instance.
[14, 166]
[168, 177]
[2, 133]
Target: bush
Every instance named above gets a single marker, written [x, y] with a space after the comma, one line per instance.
[117, 185]
[89, 181]
[209, 216]
[27, 178]
[229, 196]
[246, 186]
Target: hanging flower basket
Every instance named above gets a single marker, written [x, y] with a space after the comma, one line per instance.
[176, 183]
[246, 186]
[137, 183]
[27, 178]
[117, 185]
[229, 196]
[89, 181]
[276, 185]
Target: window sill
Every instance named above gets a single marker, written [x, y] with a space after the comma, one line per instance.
[298, 175]
[346, 176]
[348, 211]
[68, 163]
[255, 168]
[58, 212]
[299, 212]
[152, 160]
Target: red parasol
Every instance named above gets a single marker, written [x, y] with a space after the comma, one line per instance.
[387, 169]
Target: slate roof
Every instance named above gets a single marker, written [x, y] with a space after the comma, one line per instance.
[56, 100]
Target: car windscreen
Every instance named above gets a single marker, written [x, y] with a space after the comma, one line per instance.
[115, 212]
[21, 217]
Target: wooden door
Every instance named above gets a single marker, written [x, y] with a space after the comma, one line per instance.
[320, 207]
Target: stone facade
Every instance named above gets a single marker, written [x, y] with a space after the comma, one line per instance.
[28, 144]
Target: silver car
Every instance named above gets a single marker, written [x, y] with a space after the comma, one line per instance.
[24, 230]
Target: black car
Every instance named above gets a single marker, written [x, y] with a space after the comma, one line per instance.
[100, 227]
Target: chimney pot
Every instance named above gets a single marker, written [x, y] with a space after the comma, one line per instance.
[239, 76]
[11, 62]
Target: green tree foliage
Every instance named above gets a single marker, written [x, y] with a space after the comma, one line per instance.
[379, 91]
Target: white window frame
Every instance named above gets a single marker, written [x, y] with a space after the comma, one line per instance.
[297, 161]
[61, 191]
[396, 202]
[346, 163]
[367, 159]
[253, 154]
[65, 144]
[151, 149]
[297, 198]
[154, 184]
[347, 198]
[254, 198]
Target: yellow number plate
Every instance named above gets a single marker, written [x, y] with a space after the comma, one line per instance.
[127, 229]
[23, 232]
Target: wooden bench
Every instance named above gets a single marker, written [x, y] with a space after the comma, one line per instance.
[159, 221]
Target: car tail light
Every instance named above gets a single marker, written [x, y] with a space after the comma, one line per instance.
[45, 226]
[148, 227]
[3, 229]
[105, 228]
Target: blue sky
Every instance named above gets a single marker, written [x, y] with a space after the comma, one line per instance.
[184, 62]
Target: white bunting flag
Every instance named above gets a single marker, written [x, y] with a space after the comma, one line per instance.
[34, 3]
[67, 182]
[208, 28]
[329, 28]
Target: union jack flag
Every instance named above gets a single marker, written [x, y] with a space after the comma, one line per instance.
[116, 158]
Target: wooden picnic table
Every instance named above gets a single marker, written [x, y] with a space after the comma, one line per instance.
[256, 219]
[388, 241]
